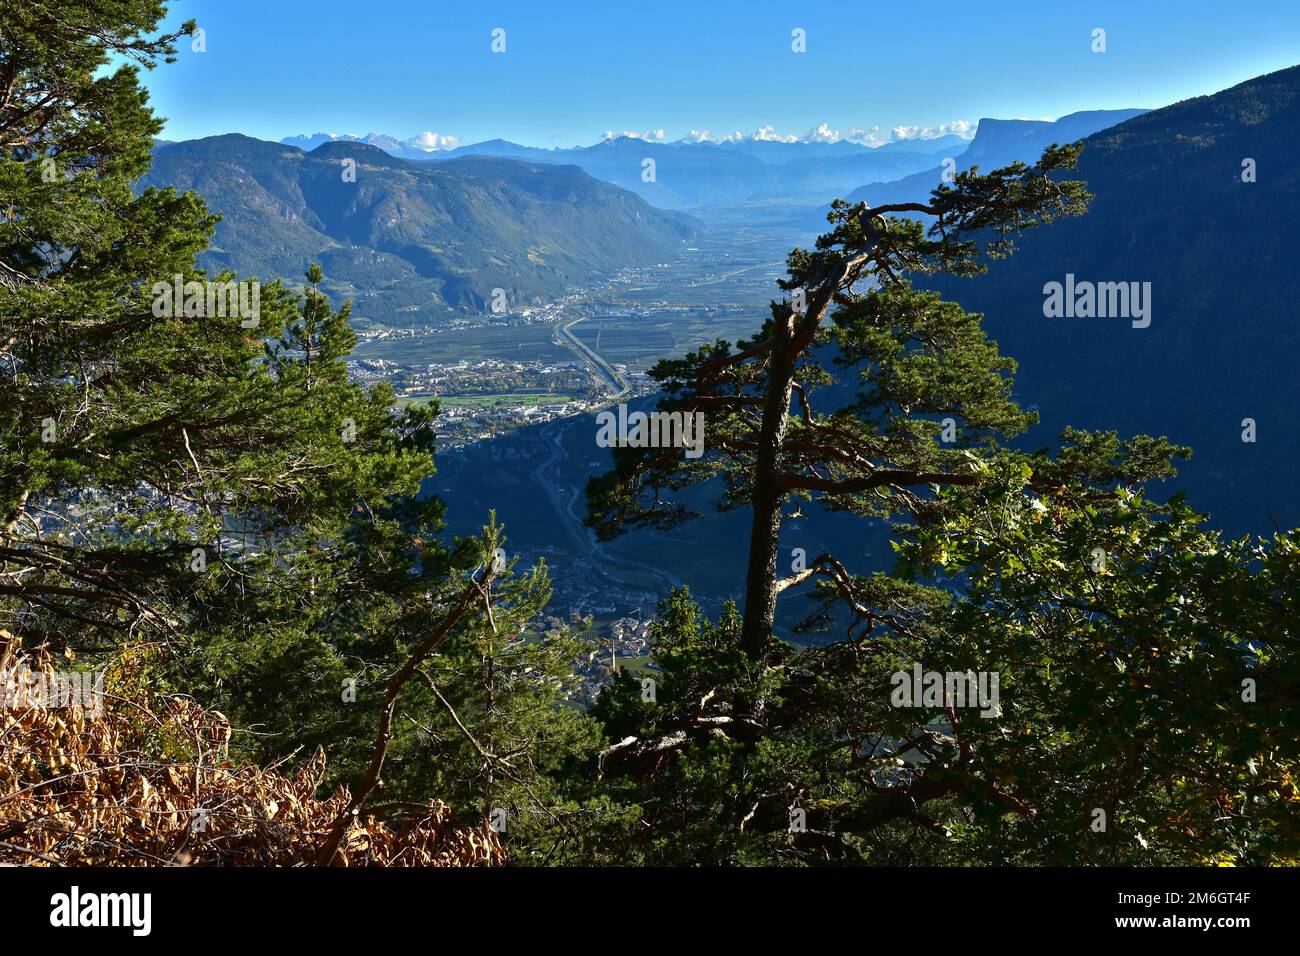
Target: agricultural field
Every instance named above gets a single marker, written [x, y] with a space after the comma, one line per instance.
[640, 339]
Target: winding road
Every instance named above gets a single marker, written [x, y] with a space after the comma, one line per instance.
[568, 499]
[600, 369]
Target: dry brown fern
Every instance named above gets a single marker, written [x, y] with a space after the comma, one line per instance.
[149, 782]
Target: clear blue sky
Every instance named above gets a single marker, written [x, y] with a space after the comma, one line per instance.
[275, 68]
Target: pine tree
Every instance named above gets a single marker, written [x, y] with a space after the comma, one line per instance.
[917, 356]
[188, 475]
[1122, 676]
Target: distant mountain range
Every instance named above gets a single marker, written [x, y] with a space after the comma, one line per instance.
[423, 146]
[414, 242]
[806, 173]
[1223, 344]
[997, 143]
[689, 173]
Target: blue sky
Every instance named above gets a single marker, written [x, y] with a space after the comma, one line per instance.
[571, 71]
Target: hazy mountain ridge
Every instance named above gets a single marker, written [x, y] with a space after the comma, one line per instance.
[997, 142]
[414, 242]
[690, 173]
[417, 147]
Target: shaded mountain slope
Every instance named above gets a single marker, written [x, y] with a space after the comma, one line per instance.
[1172, 209]
[410, 241]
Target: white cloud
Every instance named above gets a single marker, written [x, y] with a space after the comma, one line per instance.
[963, 128]
[652, 135]
[430, 141]
[822, 134]
[867, 137]
[769, 134]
